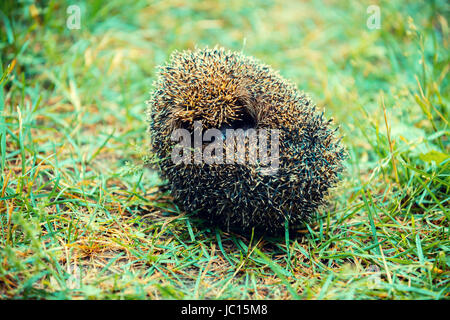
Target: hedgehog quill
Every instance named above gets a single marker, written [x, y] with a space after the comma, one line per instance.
[238, 144]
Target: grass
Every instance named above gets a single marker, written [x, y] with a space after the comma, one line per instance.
[81, 217]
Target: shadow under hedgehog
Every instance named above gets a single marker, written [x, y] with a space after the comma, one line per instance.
[227, 90]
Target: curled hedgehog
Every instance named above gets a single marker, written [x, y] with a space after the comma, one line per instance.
[225, 90]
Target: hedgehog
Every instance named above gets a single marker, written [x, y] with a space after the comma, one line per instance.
[220, 91]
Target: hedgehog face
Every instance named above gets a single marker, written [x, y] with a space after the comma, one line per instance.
[226, 91]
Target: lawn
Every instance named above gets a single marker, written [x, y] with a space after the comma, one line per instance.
[84, 214]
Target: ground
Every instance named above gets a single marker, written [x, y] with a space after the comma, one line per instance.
[83, 217]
